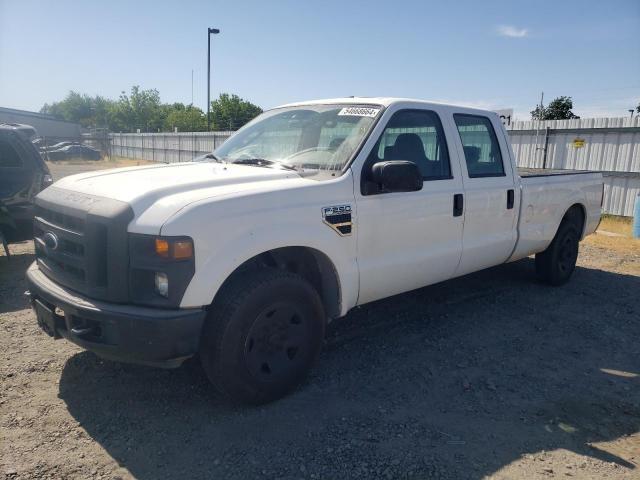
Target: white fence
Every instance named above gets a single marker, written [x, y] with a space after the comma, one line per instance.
[610, 145]
[166, 147]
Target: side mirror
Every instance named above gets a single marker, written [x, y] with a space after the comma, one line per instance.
[397, 176]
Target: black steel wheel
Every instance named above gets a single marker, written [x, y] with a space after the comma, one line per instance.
[568, 252]
[276, 342]
[556, 264]
[263, 335]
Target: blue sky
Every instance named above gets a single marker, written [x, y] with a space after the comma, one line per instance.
[493, 54]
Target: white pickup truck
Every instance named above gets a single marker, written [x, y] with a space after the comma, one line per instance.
[309, 210]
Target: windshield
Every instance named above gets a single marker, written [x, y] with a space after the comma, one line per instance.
[305, 138]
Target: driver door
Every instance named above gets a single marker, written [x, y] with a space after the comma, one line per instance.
[407, 240]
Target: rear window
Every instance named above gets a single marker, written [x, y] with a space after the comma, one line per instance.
[9, 158]
[480, 145]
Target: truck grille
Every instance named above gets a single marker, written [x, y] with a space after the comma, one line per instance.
[82, 242]
[69, 252]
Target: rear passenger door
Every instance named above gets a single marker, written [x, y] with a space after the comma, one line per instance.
[489, 204]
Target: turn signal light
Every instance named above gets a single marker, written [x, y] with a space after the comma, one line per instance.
[181, 249]
[162, 247]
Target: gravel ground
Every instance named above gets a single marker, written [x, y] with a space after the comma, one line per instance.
[489, 375]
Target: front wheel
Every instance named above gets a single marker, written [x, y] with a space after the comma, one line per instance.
[556, 264]
[262, 336]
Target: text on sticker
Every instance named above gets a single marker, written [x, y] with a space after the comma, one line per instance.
[359, 111]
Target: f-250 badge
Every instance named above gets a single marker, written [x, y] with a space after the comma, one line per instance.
[338, 217]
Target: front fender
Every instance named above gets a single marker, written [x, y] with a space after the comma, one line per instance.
[229, 232]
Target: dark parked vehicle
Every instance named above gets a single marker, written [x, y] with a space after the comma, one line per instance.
[57, 146]
[74, 151]
[23, 174]
[27, 130]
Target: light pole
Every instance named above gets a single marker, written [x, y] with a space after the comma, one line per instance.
[215, 31]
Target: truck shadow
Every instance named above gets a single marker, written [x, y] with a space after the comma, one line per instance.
[456, 380]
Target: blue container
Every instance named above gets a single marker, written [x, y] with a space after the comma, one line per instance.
[636, 218]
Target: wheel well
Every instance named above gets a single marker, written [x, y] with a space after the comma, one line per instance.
[307, 262]
[575, 214]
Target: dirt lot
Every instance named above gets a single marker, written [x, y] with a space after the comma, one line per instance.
[490, 375]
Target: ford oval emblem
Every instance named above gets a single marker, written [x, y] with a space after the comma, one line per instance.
[50, 240]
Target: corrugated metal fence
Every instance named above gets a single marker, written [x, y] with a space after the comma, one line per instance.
[610, 145]
[166, 147]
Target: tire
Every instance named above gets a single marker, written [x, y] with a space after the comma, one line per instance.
[262, 336]
[556, 264]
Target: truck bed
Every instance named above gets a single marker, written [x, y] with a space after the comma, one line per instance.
[548, 172]
[546, 196]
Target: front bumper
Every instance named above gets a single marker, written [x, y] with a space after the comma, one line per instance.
[149, 336]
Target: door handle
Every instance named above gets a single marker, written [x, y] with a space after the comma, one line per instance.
[510, 198]
[458, 204]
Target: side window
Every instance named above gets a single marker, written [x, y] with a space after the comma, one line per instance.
[8, 155]
[417, 136]
[481, 148]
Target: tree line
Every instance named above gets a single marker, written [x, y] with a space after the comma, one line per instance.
[559, 109]
[142, 110]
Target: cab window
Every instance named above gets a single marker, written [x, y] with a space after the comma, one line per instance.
[480, 146]
[417, 136]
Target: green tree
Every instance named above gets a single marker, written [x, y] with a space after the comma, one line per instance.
[558, 109]
[185, 118]
[142, 109]
[101, 108]
[230, 112]
[638, 108]
[80, 108]
[139, 110]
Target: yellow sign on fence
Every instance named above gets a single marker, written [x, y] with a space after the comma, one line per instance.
[578, 142]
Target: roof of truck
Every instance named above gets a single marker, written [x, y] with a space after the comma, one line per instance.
[384, 101]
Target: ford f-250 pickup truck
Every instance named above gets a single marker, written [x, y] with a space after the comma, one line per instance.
[307, 211]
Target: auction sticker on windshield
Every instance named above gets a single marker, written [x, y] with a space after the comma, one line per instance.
[359, 111]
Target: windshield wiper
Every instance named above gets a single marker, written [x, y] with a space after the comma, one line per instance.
[262, 162]
[212, 156]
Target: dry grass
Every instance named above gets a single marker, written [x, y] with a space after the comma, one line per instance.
[618, 225]
[615, 224]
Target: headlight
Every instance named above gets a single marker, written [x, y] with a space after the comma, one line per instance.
[47, 180]
[160, 269]
[162, 284]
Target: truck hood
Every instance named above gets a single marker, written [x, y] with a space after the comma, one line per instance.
[166, 188]
[133, 183]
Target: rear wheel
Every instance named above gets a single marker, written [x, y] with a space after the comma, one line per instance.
[262, 336]
[556, 264]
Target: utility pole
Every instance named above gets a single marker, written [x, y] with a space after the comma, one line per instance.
[540, 107]
[210, 31]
